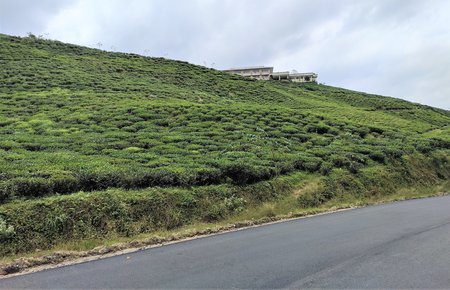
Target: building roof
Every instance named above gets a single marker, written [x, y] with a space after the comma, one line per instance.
[249, 68]
[280, 73]
[303, 74]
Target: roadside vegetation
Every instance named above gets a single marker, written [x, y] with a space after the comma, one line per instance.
[95, 145]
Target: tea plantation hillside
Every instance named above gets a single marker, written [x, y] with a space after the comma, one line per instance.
[94, 143]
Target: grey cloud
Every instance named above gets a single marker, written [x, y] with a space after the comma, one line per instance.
[21, 16]
[391, 47]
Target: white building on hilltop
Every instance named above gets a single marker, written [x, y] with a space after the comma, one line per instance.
[267, 73]
[257, 72]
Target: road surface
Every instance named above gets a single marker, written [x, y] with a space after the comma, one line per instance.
[398, 245]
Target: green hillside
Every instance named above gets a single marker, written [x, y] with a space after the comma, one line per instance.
[95, 144]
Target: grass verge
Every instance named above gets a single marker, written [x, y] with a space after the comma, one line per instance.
[282, 208]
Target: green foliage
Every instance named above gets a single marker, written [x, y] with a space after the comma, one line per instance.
[311, 199]
[94, 120]
[44, 222]
[79, 119]
[6, 232]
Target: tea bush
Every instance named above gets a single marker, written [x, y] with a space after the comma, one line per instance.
[116, 125]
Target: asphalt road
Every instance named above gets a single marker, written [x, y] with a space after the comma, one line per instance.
[399, 245]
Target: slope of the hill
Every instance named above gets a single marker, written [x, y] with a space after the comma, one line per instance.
[79, 119]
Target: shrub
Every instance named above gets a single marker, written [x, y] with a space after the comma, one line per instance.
[377, 130]
[319, 128]
[5, 191]
[234, 204]
[215, 212]
[326, 167]
[8, 145]
[289, 129]
[340, 183]
[307, 163]
[65, 184]
[391, 152]
[379, 180]
[6, 232]
[241, 173]
[310, 199]
[32, 187]
[208, 176]
[339, 160]
[378, 156]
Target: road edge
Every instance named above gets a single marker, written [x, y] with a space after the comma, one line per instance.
[25, 266]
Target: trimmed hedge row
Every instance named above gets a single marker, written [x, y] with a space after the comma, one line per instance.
[42, 223]
[381, 180]
[241, 172]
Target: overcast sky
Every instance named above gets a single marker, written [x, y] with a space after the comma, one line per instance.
[399, 48]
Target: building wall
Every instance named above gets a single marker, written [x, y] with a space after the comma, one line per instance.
[266, 73]
[262, 73]
[304, 78]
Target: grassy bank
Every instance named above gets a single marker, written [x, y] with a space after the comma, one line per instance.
[42, 223]
[105, 215]
[100, 146]
[284, 207]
